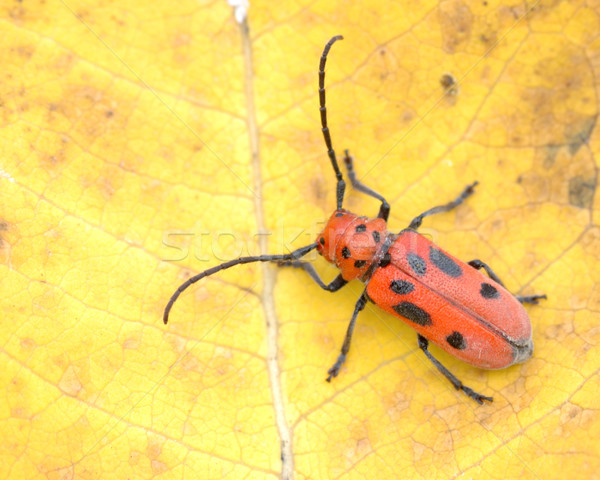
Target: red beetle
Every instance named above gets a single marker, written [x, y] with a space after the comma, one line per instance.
[466, 313]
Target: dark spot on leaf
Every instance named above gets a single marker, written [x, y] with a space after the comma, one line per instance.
[579, 133]
[318, 189]
[581, 191]
[550, 153]
[449, 84]
[3, 228]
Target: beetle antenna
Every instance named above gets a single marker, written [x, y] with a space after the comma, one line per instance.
[341, 185]
[295, 255]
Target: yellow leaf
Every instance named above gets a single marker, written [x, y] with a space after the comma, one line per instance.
[141, 144]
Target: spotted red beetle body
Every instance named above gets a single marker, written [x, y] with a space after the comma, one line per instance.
[445, 300]
[466, 313]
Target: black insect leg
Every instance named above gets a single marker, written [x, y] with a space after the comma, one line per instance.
[533, 299]
[478, 397]
[360, 304]
[478, 264]
[337, 283]
[468, 191]
[384, 210]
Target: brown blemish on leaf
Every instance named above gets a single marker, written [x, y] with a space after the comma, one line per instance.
[181, 39]
[318, 190]
[91, 109]
[448, 82]
[541, 99]
[591, 243]
[64, 64]
[451, 88]
[17, 13]
[132, 343]
[537, 187]
[593, 302]
[560, 331]
[579, 133]
[581, 191]
[28, 344]
[573, 419]
[153, 452]
[550, 153]
[489, 38]
[25, 51]
[3, 228]
[456, 22]
[407, 115]
[362, 446]
[69, 383]
[106, 187]
[395, 405]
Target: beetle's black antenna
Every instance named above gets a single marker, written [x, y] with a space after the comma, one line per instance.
[341, 185]
[295, 255]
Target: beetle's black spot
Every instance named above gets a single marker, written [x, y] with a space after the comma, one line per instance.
[444, 262]
[339, 214]
[360, 263]
[376, 236]
[401, 287]
[414, 313]
[361, 228]
[346, 252]
[417, 264]
[456, 340]
[385, 261]
[322, 241]
[489, 291]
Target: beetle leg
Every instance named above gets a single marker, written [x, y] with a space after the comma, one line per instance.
[337, 283]
[478, 397]
[467, 192]
[533, 299]
[478, 264]
[360, 304]
[384, 210]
